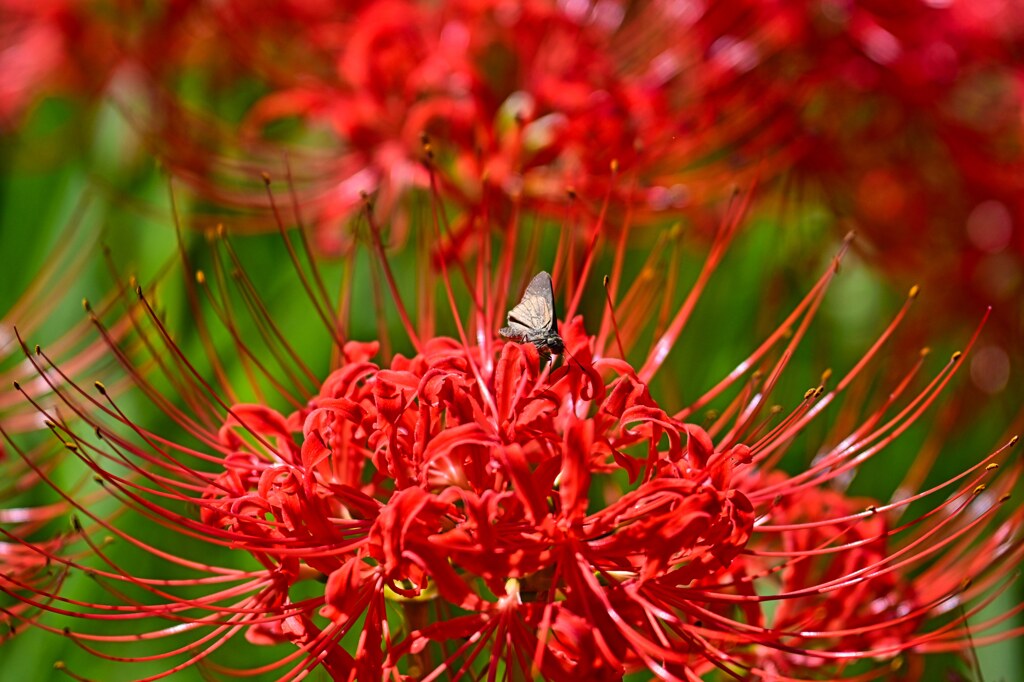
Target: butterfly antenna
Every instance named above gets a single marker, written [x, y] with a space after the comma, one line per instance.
[571, 358]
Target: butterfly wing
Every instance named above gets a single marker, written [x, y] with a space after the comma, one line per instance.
[534, 319]
[515, 332]
[536, 312]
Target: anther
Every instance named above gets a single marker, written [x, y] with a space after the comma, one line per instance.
[100, 387]
[992, 467]
[914, 291]
[956, 356]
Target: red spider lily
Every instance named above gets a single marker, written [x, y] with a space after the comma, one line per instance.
[39, 41]
[904, 117]
[469, 510]
[76, 48]
[520, 101]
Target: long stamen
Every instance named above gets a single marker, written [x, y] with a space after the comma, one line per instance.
[661, 347]
[322, 311]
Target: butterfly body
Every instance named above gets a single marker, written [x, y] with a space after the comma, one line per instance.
[534, 319]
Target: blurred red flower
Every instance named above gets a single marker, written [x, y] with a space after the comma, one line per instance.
[529, 101]
[903, 118]
[41, 43]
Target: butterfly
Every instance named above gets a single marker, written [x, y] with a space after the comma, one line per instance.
[534, 318]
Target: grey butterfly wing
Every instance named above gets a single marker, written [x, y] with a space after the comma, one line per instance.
[515, 332]
[535, 314]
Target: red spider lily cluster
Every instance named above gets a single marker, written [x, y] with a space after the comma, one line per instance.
[470, 510]
[521, 99]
